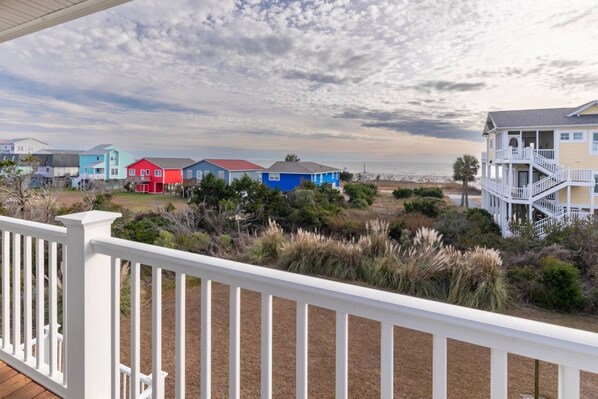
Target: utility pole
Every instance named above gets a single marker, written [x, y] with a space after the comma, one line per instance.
[363, 173]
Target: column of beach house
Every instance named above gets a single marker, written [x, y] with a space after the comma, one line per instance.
[81, 358]
[540, 165]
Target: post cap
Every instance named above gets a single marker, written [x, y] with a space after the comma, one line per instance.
[88, 218]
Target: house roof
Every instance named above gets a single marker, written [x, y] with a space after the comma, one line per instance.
[58, 152]
[22, 17]
[233, 165]
[169, 163]
[300, 167]
[13, 141]
[543, 117]
[99, 149]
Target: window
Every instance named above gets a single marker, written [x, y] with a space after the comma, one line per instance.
[131, 172]
[189, 174]
[199, 175]
[147, 172]
[572, 136]
[221, 174]
[595, 184]
[98, 158]
[274, 177]
[595, 142]
[259, 178]
[114, 171]
[158, 173]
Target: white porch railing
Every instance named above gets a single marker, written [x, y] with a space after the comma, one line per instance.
[91, 318]
[145, 381]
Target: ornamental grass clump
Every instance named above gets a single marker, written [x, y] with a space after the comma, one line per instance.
[266, 248]
[426, 268]
[312, 253]
[421, 270]
[477, 281]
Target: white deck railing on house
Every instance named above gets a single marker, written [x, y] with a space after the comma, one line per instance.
[92, 330]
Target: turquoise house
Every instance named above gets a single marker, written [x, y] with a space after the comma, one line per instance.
[103, 162]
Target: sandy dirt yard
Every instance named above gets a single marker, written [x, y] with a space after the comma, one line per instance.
[468, 365]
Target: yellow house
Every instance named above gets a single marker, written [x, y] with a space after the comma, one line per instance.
[541, 165]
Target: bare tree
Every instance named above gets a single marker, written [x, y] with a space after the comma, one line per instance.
[17, 197]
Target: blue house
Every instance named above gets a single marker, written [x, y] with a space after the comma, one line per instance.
[103, 162]
[225, 169]
[285, 176]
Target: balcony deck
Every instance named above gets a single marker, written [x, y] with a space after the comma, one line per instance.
[14, 385]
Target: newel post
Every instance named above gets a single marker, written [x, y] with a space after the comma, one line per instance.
[88, 304]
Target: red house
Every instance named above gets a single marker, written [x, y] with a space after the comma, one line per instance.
[154, 175]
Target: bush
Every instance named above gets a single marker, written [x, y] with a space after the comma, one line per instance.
[402, 193]
[360, 191]
[466, 230]
[435, 192]
[560, 286]
[430, 207]
[395, 229]
[346, 176]
[198, 242]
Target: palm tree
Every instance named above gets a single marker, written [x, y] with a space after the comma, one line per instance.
[465, 169]
[292, 158]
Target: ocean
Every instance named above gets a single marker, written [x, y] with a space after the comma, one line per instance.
[433, 172]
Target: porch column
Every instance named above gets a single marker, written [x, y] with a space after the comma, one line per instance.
[88, 345]
[568, 200]
[591, 201]
[530, 210]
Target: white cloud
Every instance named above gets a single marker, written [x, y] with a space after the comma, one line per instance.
[230, 68]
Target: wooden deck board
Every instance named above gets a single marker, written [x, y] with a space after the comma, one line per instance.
[17, 386]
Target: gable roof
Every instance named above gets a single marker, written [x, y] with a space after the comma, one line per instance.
[232, 165]
[58, 152]
[99, 149]
[168, 163]
[19, 18]
[584, 107]
[13, 141]
[300, 167]
[543, 117]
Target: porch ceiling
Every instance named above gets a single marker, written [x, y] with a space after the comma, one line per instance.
[22, 17]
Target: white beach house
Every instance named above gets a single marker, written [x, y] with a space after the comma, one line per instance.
[540, 165]
[81, 359]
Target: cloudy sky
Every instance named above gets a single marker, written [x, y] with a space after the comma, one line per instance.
[327, 79]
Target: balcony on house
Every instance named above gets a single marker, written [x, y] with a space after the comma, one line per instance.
[66, 333]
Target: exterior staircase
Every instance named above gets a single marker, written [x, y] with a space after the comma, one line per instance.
[557, 177]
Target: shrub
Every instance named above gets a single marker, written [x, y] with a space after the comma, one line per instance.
[165, 239]
[402, 193]
[395, 229]
[435, 192]
[346, 176]
[560, 285]
[430, 207]
[225, 241]
[360, 191]
[341, 226]
[195, 242]
[468, 229]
